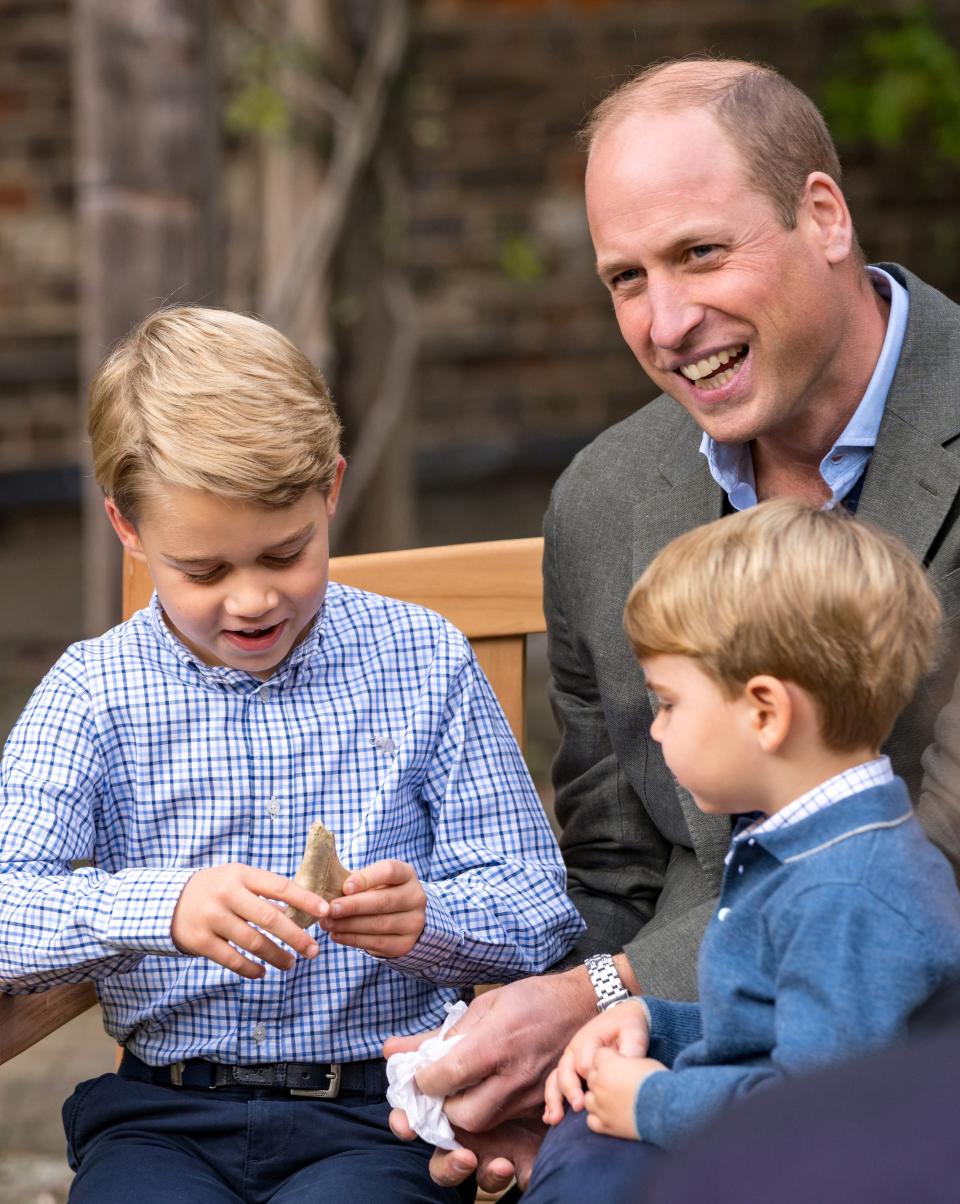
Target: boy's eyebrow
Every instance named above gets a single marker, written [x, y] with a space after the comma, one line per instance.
[304, 533]
[288, 540]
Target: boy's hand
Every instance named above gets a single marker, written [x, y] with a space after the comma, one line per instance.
[383, 910]
[219, 907]
[622, 1028]
[613, 1085]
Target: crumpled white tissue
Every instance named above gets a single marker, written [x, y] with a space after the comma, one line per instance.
[424, 1112]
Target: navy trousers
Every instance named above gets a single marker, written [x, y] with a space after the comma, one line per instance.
[575, 1166]
[147, 1144]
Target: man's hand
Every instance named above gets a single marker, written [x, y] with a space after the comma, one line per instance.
[623, 1028]
[512, 1037]
[225, 906]
[383, 910]
[613, 1085]
[498, 1156]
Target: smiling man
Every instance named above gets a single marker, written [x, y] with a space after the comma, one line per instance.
[788, 367]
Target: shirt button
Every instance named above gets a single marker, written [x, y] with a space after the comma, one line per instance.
[739, 869]
[751, 841]
[259, 1034]
[723, 913]
[835, 459]
[264, 693]
[273, 807]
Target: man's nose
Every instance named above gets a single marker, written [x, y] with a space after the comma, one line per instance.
[673, 312]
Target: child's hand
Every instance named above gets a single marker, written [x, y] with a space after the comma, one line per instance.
[613, 1084]
[383, 910]
[222, 904]
[623, 1028]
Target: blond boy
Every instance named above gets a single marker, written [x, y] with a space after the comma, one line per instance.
[781, 643]
[186, 754]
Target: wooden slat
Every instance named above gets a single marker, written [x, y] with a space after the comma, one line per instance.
[137, 586]
[27, 1019]
[485, 589]
[504, 661]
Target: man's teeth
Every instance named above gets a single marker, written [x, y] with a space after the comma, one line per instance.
[704, 367]
[714, 382]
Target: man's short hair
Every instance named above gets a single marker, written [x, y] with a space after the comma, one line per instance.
[210, 400]
[777, 129]
[809, 596]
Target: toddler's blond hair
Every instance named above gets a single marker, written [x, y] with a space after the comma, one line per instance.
[807, 595]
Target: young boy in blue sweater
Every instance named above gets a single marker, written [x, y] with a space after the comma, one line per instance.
[780, 644]
[186, 753]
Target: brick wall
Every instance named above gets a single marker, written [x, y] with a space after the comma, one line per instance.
[37, 286]
[521, 360]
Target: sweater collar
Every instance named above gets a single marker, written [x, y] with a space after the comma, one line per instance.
[878, 807]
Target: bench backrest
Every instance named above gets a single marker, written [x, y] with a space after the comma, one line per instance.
[492, 591]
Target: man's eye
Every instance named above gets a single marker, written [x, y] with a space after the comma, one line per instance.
[628, 276]
[702, 251]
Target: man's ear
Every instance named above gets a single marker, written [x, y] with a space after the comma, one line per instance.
[770, 711]
[825, 208]
[333, 494]
[126, 531]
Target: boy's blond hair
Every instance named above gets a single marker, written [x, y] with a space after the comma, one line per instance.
[215, 401]
[810, 596]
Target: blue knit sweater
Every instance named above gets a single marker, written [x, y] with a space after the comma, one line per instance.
[828, 933]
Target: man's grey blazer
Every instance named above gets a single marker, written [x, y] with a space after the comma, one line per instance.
[644, 863]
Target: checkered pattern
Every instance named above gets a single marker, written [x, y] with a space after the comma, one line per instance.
[136, 757]
[834, 790]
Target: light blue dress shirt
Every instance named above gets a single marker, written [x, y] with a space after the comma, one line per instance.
[731, 464]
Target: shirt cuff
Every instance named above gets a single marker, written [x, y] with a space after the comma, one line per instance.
[672, 1026]
[436, 945]
[646, 1100]
[139, 909]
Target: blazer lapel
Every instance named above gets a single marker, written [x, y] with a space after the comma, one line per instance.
[911, 485]
[912, 480]
[691, 498]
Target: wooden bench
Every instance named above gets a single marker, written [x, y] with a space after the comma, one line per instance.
[491, 591]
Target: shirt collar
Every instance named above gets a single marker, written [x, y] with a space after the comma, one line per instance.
[875, 806]
[223, 675]
[877, 772]
[731, 464]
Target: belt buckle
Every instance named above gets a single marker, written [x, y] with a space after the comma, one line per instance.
[176, 1074]
[331, 1091]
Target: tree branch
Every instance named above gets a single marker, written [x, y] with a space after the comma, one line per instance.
[320, 228]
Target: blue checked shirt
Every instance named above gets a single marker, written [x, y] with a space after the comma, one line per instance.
[136, 757]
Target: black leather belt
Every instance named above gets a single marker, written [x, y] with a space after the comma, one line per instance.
[314, 1080]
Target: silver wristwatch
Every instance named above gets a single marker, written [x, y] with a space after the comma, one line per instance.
[606, 981]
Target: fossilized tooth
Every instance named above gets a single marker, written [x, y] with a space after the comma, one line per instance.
[320, 871]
